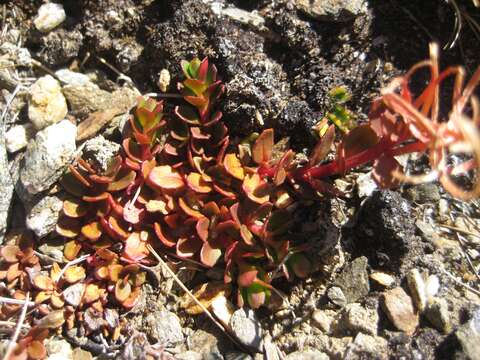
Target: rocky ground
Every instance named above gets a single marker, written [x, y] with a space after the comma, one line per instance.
[399, 269]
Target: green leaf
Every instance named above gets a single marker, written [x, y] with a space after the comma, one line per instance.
[339, 95]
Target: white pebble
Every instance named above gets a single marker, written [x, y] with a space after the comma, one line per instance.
[49, 17]
[18, 136]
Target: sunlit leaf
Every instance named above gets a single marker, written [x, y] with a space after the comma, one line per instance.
[74, 274]
[68, 227]
[165, 177]
[197, 184]
[206, 294]
[209, 255]
[74, 208]
[262, 149]
[92, 230]
[233, 166]
[9, 253]
[71, 250]
[43, 282]
[122, 290]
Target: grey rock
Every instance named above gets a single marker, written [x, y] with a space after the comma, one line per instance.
[164, 327]
[244, 17]
[189, 355]
[336, 296]
[70, 77]
[128, 53]
[332, 10]
[49, 16]
[58, 349]
[356, 318]
[59, 46]
[367, 347]
[366, 185]
[417, 288]
[6, 184]
[386, 226]
[17, 137]
[322, 320]
[88, 98]
[20, 55]
[206, 344]
[47, 104]
[43, 216]
[73, 294]
[307, 355]
[469, 336]
[400, 310]
[382, 279]
[438, 314]
[246, 327]
[100, 153]
[236, 355]
[424, 193]
[47, 156]
[353, 280]
[53, 248]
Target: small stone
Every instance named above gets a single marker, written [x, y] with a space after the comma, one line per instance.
[353, 280]
[206, 344]
[244, 17]
[432, 286]
[367, 347]
[43, 216]
[469, 336]
[58, 349]
[322, 321]
[70, 77]
[424, 193]
[47, 156]
[164, 327]
[416, 285]
[246, 327]
[73, 294]
[6, 185]
[336, 296]
[53, 248]
[366, 185]
[89, 98]
[100, 153]
[400, 310]
[438, 315]
[80, 354]
[223, 309]
[332, 10]
[47, 104]
[189, 355]
[49, 16]
[18, 136]
[357, 319]
[236, 355]
[307, 355]
[164, 80]
[382, 279]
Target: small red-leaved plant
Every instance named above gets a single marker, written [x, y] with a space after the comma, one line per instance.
[180, 186]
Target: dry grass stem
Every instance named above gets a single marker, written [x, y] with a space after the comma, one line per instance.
[190, 294]
[21, 319]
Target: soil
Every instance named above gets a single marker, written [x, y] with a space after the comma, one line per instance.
[279, 75]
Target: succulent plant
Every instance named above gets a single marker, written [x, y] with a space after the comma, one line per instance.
[179, 185]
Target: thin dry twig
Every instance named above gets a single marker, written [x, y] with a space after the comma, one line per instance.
[13, 340]
[466, 232]
[11, 323]
[190, 294]
[115, 70]
[4, 300]
[461, 283]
